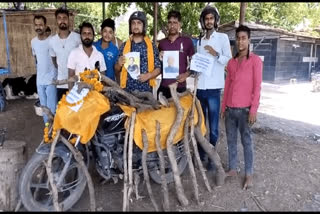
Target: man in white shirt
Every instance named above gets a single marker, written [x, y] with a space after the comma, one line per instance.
[46, 72]
[217, 46]
[86, 56]
[60, 47]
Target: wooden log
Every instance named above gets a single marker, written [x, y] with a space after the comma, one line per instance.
[131, 131]
[209, 149]
[13, 158]
[179, 188]
[145, 168]
[50, 175]
[79, 158]
[66, 81]
[164, 186]
[125, 167]
[194, 142]
[189, 159]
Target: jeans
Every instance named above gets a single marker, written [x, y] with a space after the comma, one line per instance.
[48, 97]
[210, 103]
[238, 118]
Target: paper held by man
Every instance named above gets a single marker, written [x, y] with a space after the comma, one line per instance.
[132, 64]
[201, 63]
[170, 64]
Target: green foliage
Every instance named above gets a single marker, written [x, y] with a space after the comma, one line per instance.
[229, 11]
[122, 31]
[90, 12]
[285, 15]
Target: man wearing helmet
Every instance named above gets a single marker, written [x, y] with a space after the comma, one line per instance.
[217, 46]
[149, 56]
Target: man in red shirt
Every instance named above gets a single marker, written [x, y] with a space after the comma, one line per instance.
[240, 102]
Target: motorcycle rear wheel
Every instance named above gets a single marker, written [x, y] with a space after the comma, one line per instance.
[34, 187]
[182, 163]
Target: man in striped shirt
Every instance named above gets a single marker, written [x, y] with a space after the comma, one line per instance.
[240, 102]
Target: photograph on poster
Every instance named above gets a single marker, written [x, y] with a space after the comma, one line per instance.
[132, 64]
[170, 64]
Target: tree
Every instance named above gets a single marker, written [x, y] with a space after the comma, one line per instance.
[278, 14]
[189, 20]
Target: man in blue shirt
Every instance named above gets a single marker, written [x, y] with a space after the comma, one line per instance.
[107, 48]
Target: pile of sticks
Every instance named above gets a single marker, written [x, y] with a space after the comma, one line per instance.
[141, 102]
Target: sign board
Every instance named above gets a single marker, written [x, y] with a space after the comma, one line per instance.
[201, 63]
[310, 59]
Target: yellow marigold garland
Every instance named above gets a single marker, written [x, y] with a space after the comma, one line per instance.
[92, 78]
[46, 137]
[87, 76]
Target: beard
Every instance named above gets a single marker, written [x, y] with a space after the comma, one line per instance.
[211, 27]
[137, 32]
[39, 31]
[87, 42]
[63, 26]
[173, 32]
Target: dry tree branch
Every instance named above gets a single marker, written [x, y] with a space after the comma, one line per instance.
[194, 142]
[164, 186]
[209, 149]
[48, 165]
[189, 159]
[73, 79]
[179, 188]
[82, 85]
[48, 113]
[79, 158]
[163, 100]
[145, 168]
[147, 98]
[125, 166]
[131, 128]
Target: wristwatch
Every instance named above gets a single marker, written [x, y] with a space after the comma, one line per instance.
[218, 55]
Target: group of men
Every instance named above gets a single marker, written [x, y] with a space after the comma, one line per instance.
[67, 54]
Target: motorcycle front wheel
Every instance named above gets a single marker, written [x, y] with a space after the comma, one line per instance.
[35, 190]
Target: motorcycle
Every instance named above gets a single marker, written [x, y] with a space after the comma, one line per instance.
[104, 150]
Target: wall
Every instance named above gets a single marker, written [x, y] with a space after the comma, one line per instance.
[268, 49]
[289, 60]
[20, 31]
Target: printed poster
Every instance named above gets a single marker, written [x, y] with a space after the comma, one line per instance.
[132, 64]
[201, 63]
[170, 64]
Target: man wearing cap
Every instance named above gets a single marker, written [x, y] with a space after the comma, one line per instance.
[107, 48]
[217, 46]
[149, 56]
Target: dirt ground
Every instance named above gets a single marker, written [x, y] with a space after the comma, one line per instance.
[286, 163]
